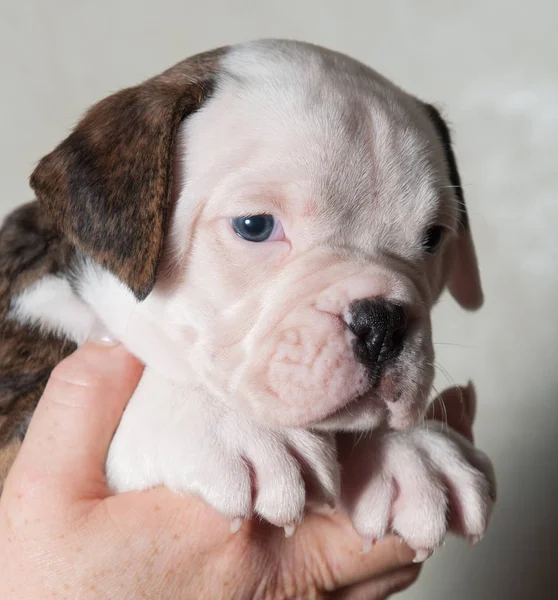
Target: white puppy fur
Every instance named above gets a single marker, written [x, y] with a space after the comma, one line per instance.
[249, 361]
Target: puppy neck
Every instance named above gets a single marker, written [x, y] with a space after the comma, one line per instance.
[143, 327]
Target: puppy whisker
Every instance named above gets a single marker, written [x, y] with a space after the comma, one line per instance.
[452, 383]
[454, 344]
[438, 399]
[444, 372]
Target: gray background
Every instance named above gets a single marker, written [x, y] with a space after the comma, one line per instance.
[493, 66]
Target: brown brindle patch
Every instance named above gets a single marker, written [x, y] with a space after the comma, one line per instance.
[29, 249]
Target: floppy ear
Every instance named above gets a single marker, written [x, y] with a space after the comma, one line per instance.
[108, 186]
[464, 280]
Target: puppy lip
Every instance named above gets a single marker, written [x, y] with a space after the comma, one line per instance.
[388, 387]
[374, 396]
[384, 388]
[370, 396]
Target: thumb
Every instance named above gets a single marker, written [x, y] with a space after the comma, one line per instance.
[65, 448]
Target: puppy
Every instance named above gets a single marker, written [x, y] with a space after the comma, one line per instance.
[267, 227]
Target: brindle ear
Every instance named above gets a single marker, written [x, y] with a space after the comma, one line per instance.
[464, 282]
[108, 185]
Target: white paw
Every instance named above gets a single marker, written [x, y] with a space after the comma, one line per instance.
[285, 463]
[411, 483]
[194, 446]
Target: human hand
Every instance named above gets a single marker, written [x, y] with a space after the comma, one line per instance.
[63, 534]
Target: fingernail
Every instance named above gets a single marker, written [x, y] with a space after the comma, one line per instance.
[289, 530]
[421, 555]
[236, 524]
[100, 335]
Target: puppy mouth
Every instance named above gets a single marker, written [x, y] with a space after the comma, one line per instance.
[398, 399]
[369, 409]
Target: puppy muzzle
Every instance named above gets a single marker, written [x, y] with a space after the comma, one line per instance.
[379, 327]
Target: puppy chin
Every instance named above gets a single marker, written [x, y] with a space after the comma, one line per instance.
[290, 404]
[398, 401]
[363, 414]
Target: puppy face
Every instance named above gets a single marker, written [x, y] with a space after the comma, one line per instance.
[315, 218]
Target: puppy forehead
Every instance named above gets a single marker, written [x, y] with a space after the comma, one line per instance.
[292, 113]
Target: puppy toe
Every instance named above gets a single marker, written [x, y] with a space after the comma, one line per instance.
[280, 499]
[280, 490]
[370, 508]
[226, 486]
[317, 457]
[469, 478]
[420, 508]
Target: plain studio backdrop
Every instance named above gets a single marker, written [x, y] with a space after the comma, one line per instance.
[492, 65]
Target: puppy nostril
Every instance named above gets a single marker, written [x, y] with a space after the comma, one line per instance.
[380, 328]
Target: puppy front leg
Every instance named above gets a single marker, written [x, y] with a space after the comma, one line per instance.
[184, 439]
[411, 483]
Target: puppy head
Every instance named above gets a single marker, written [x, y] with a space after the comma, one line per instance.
[287, 216]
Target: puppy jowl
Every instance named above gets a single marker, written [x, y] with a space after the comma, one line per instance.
[267, 227]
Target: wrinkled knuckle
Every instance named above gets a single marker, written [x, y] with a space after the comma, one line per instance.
[311, 577]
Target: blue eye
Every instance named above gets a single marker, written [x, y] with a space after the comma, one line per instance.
[257, 228]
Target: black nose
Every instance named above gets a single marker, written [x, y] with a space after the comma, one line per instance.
[380, 329]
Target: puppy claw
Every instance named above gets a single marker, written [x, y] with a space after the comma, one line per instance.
[236, 524]
[421, 555]
[289, 530]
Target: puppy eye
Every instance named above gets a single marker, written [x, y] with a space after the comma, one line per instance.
[433, 239]
[257, 228]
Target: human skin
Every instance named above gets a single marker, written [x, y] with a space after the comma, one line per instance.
[64, 535]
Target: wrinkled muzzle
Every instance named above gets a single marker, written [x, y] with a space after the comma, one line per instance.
[336, 348]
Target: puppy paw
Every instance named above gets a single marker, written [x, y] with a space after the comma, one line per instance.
[235, 465]
[419, 485]
[292, 467]
[184, 456]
